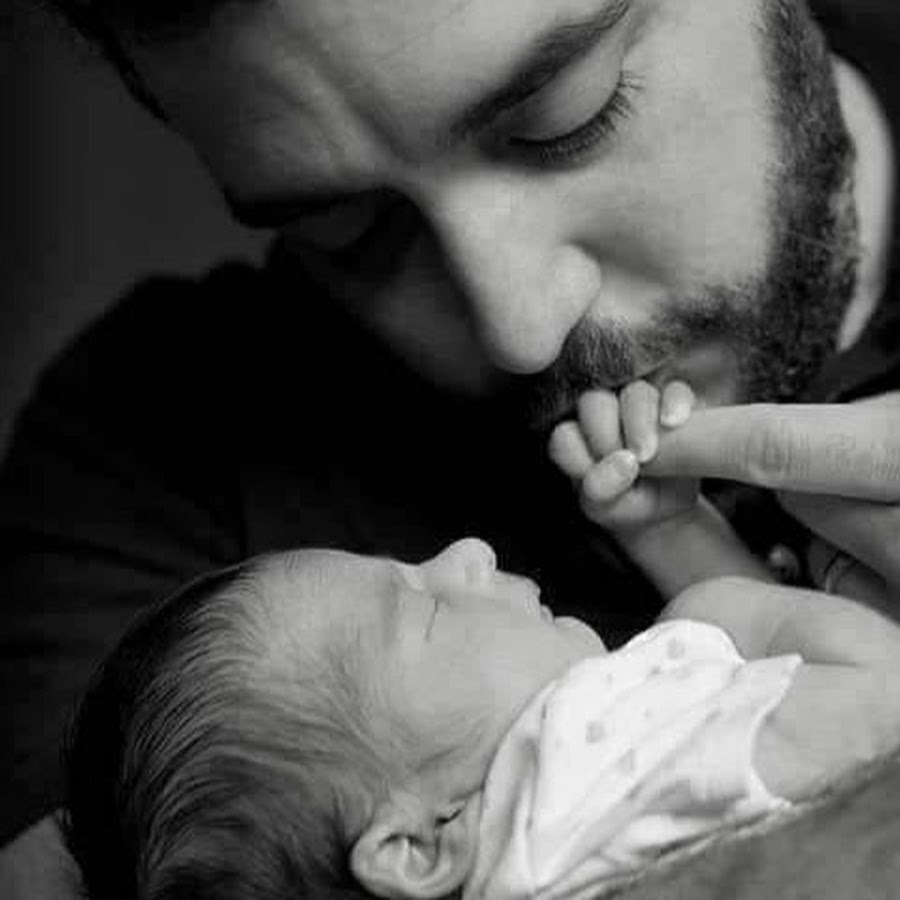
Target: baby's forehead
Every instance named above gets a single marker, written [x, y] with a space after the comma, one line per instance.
[322, 587]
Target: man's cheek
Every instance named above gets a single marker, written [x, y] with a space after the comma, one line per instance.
[423, 321]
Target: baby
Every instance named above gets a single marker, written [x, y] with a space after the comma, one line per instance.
[316, 723]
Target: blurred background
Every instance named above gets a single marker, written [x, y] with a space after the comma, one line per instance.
[94, 194]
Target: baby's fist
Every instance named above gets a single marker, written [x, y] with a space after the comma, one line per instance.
[603, 450]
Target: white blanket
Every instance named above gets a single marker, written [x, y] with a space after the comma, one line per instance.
[623, 758]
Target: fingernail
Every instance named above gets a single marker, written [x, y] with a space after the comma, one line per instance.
[646, 449]
[609, 478]
[624, 463]
[675, 413]
[677, 404]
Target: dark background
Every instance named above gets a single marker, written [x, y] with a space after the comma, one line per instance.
[93, 195]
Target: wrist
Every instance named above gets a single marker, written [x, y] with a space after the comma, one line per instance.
[661, 531]
[693, 544]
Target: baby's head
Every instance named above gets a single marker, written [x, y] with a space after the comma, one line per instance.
[310, 723]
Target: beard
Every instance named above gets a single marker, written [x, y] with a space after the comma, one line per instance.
[782, 324]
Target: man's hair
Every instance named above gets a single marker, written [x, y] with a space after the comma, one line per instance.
[108, 25]
[106, 22]
[204, 764]
[145, 21]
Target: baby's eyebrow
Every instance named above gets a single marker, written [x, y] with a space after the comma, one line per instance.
[432, 618]
[392, 587]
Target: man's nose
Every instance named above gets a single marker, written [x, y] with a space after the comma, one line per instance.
[525, 286]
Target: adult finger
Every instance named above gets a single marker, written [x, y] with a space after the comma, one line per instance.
[598, 415]
[891, 399]
[847, 450]
[837, 572]
[639, 412]
[869, 532]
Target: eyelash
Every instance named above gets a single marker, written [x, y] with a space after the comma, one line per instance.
[450, 816]
[567, 149]
[572, 146]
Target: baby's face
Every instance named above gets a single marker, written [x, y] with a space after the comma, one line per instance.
[450, 649]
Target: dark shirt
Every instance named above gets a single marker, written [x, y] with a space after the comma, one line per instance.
[202, 422]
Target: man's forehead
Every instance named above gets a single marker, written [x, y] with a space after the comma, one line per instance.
[422, 55]
[420, 65]
[328, 75]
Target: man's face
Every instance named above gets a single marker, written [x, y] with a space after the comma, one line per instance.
[542, 194]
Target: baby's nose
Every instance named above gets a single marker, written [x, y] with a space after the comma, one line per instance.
[469, 562]
[474, 559]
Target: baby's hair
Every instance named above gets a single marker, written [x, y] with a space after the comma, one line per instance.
[201, 765]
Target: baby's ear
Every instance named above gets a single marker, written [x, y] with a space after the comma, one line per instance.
[408, 852]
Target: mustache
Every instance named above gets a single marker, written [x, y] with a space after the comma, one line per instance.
[609, 355]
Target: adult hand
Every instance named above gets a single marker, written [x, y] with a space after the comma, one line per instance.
[835, 467]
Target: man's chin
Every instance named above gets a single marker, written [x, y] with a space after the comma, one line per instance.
[712, 371]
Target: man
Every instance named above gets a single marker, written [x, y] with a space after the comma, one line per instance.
[487, 208]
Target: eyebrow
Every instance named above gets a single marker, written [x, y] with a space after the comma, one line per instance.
[391, 586]
[549, 54]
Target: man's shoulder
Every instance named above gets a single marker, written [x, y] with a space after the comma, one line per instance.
[188, 351]
[170, 379]
[166, 323]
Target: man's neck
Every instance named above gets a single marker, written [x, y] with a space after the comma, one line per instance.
[874, 195]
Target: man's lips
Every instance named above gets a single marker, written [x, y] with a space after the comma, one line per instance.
[651, 372]
[552, 409]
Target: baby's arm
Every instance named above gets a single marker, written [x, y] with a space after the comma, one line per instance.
[675, 535]
[842, 709]
[692, 546]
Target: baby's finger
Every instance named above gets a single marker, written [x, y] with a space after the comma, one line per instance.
[639, 410]
[676, 404]
[640, 505]
[568, 450]
[610, 477]
[598, 414]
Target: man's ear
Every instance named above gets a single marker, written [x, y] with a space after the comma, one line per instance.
[408, 852]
